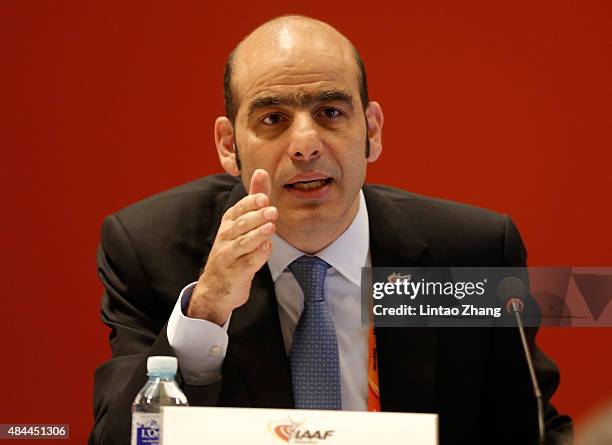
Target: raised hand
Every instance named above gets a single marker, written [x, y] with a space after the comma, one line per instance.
[241, 248]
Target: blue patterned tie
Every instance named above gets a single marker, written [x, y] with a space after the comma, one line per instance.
[315, 364]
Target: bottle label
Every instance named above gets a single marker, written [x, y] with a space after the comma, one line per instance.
[146, 428]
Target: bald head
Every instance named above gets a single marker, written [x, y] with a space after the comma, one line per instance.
[288, 41]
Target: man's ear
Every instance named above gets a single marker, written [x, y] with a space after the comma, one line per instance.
[226, 147]
[374, 121]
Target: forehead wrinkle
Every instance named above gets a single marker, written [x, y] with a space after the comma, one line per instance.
[300, 99]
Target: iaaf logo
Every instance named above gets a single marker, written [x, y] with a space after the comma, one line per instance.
[293, 432]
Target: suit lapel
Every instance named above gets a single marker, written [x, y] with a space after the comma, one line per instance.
[256, 343]
[256, 340]
[406, 356]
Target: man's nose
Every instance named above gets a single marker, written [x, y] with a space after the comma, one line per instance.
[305, 143]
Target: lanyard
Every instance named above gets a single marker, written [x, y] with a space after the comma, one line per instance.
[373, 389]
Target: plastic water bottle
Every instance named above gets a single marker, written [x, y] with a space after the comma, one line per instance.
[160, 390]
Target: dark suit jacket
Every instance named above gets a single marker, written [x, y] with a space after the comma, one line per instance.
[476, 379]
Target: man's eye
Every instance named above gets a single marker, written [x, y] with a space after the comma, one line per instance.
[272, 119]
[331, 113]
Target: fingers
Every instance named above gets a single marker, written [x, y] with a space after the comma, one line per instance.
[246, 204]
[246, 228]
[257, 257]
[257, 198]
[249, 221]
[260, 183]
[253, 239]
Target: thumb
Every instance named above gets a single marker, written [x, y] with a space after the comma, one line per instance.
[260, 183]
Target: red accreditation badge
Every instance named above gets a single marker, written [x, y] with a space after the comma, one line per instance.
[373, 389]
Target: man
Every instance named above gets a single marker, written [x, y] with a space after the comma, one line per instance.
[298, 135]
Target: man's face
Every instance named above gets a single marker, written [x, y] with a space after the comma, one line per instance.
[300, 118]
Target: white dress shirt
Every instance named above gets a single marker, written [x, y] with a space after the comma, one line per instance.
[200, 345]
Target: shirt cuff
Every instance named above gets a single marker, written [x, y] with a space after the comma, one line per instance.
[199, 345]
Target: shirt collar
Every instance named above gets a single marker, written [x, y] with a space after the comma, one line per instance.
[347, 254]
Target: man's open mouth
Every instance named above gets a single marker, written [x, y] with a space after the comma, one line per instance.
[310, 185]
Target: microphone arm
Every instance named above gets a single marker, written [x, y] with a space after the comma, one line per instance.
[516, 306]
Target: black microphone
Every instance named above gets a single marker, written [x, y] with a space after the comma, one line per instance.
[512, 292]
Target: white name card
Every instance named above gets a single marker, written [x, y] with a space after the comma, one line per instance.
[256, 426]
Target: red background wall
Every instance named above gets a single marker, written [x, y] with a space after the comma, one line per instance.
[505, 105]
